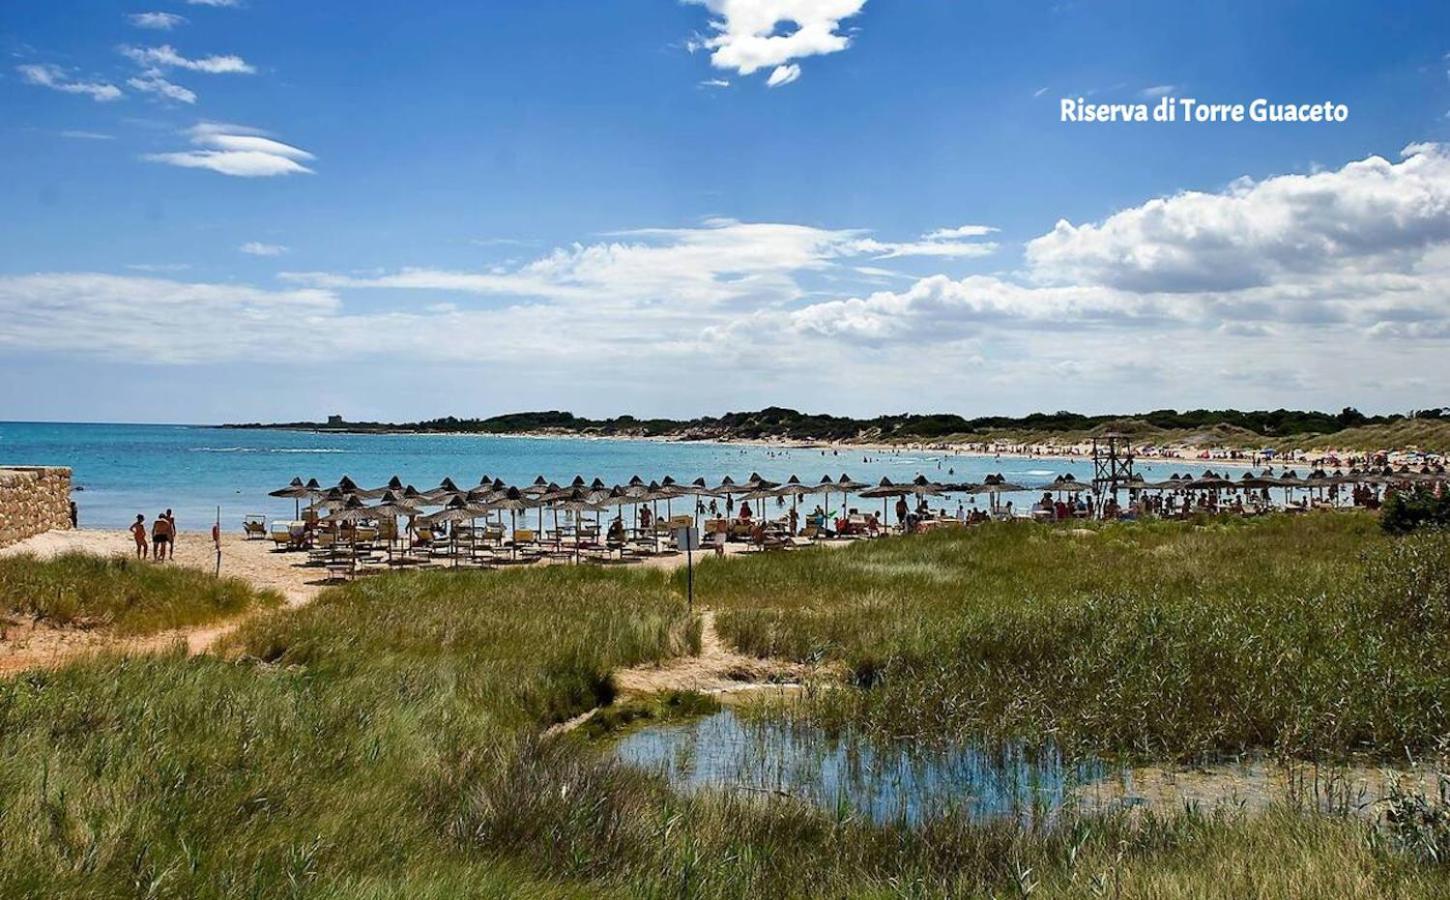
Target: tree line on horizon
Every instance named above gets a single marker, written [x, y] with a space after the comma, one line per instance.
[781, 422]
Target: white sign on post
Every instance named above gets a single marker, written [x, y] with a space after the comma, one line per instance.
[687, 538]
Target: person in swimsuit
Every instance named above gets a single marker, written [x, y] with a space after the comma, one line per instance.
[160, 536]
[171, 535]
[138, 531]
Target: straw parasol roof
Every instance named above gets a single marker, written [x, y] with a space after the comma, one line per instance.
[997, 484]
[794, 488]
[395, 484]
[352, 511]
[445, 489]
[845, 483]
[886, 489]
[1067, 482]
[1209, 481]
[294, 489]
[756, 483]
[1250, 481]
[393, 506]
[921, 485]
[457, 510]
[727, 485]
[539, 487]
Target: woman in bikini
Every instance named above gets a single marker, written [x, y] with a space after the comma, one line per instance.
[138, 531]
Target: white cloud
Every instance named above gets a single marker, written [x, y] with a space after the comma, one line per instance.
[166, 57]
[1372, 215]
[961, 231]
[1039, 92]
[1158, 90]
[783, 75]
[55, 78]
[750, 35]
[151, 82]
[87, 136]
[748, 305]
[238, 151]
[257, 248]
[715, 83]
[218, 3]
[156, 21]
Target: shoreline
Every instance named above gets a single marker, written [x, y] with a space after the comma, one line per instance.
[1205, 455]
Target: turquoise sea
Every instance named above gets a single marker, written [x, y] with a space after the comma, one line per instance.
[122, 470]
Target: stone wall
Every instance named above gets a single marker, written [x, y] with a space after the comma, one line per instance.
[33, 500]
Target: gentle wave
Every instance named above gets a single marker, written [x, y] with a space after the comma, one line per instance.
[265, 450]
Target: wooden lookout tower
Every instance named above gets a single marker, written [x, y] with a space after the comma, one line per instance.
[1112, 462]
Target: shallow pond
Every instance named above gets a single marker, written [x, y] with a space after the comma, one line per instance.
[771, 756]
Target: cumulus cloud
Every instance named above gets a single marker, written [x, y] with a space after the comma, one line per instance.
[238, 151]
[750, 35]
[166, 57]
[156, 21]
[1372, 214]
[55, 78]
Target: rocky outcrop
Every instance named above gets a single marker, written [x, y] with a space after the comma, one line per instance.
[33, 500]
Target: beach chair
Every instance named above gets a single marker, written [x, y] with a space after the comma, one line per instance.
[254, 526]
[281, 535]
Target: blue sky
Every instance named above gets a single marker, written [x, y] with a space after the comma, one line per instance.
[257, 210]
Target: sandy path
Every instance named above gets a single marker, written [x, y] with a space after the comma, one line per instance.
[28, 645]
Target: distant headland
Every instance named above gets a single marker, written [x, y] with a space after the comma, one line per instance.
[1349, 429]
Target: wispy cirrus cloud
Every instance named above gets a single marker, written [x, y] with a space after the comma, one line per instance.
[167, 57]
[750, 35]
[156, 21]
[238, 151]
[258, 248]
[151, 82]
[54, 77]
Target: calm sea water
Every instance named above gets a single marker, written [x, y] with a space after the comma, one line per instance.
[122, 470]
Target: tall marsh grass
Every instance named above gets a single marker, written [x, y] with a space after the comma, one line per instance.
[387, 741]
[1304, 637]
[131, 596]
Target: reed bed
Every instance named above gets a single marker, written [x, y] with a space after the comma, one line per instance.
[1308, 637]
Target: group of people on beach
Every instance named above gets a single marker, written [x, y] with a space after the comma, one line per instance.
[163, 537]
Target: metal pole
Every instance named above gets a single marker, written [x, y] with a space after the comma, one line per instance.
[689, 574]
[217, 531]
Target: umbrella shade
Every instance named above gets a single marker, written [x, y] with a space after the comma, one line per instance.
[1066, 483]
[347, 485]
[1291, 479]
[844, 483]
[959, 487]
[395, 484]
[1210, 481]
[456, 511]
[539, 487]
[764, 494]
[756, 483]
[446, 488]
[352, 511]
[727, 485]
[1174, 483]
[393, 506]
[294, 489]
[998, 487]
[886, 489]
[794, 488]
[512, 499]
[698, 487]
[1256, 482]
[920, 485]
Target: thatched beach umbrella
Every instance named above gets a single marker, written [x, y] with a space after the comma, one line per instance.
[296, 490]
[514, 501]
[457, 511]
[886, 490]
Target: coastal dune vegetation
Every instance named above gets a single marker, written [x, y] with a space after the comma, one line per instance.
[391, 738]
[131, 597]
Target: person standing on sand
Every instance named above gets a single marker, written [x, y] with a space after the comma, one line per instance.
[171, 540]
[74, 515]
[138, 531]
[901, 510]
[160, 535]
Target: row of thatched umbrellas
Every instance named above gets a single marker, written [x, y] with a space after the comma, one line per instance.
[344, 501]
